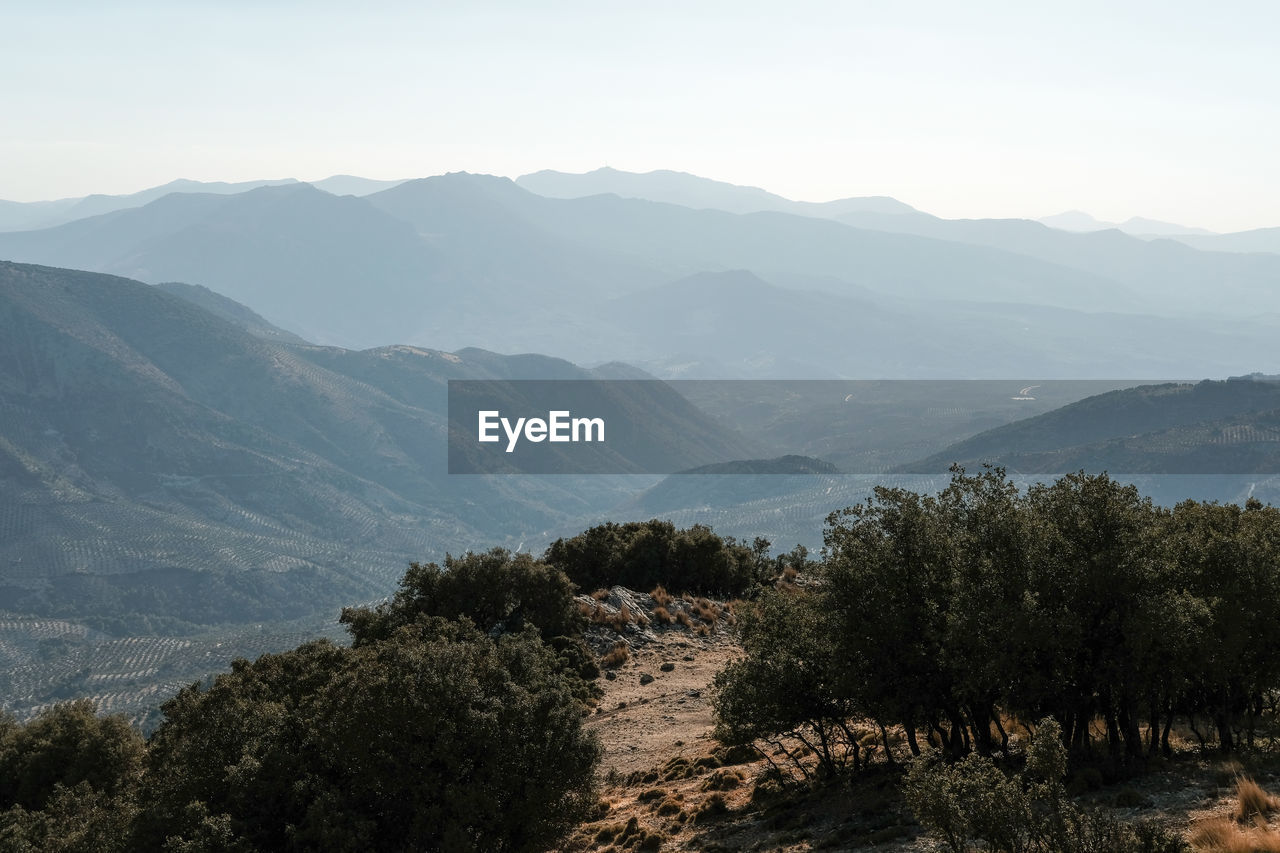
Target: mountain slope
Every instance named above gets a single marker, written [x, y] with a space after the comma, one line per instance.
[157, 460]
[1228, 427]
[736, 325]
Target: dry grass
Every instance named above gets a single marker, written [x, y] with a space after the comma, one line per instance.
[1252, 801]
[661, 596]
[706, 610]
[600, 594]
[1222, 835]
[618, 621]
[662, 615]
[616, 656]
[790, 574]
[683, 617]
[723, 780]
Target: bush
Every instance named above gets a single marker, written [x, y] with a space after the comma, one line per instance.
[497, 590]
[973, 800]
[439, 737]
[649, 554]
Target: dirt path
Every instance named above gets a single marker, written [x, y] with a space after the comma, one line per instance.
[644, 725]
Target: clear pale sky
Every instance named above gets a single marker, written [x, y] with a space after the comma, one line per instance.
[1168, 110]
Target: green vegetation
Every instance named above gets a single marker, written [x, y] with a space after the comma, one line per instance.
[645, 554]
[460, 733]
[948, 615]
[438, 738]
[941, 624]
[974, 800]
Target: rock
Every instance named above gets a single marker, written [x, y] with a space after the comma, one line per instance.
[645, 678]
[667, 667]
[610, 674]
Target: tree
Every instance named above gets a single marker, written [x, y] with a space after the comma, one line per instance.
[68, 780]
[788, 684]
[66, 745]
[889, 577]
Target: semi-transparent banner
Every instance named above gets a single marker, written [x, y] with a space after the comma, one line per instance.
[1035, 427]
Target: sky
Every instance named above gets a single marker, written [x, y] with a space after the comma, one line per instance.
[977, 109]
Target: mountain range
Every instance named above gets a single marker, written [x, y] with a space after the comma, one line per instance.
[468, 260]
[160, 461]
[223, 407]
[22, 216]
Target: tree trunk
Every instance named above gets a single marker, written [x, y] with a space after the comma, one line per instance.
[910, 726]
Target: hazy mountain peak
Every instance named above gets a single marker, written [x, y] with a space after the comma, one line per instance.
[687, 190]
[1154, 227]
[354, 185]
[1076, 220]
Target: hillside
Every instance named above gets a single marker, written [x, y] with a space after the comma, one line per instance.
[1229, 427]
[161, 462]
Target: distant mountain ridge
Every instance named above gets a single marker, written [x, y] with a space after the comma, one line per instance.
[472, 260]
[24, 216]
[692, 191]
[1077, 220]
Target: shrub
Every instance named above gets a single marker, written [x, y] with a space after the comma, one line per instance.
[616, 656]
[1252, 800]
[973, 800]
[440, 737]
[1222, 835]
[712, 806]
[652, 554]
[497, 590]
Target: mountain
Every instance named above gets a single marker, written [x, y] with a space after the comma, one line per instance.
[1257, 240]
[20, 216]
[353, 185]
[1141, 226]
[678, 241]
[160, 465]
[230, 310]
[25, 216]
[1154, 276]
[1211, 427]
[1076, 220]
[298, 256]
[687, 190]
[470, 260]
[736, 325]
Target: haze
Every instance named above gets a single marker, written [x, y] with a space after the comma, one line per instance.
[1163, 110]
